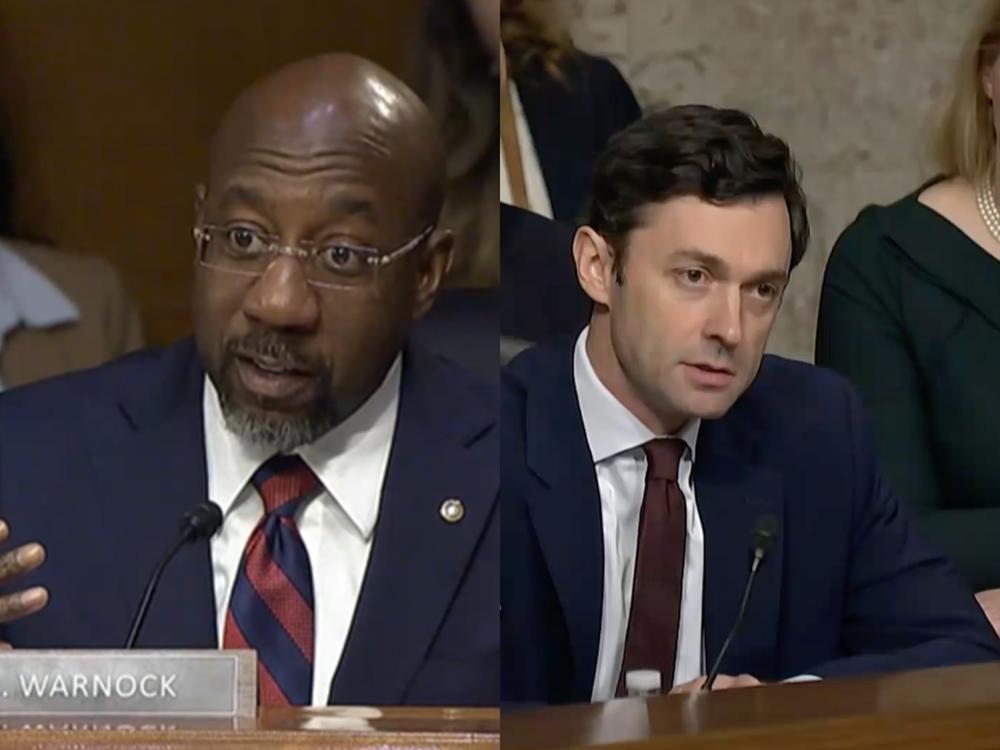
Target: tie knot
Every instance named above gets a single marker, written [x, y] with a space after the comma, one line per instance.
[663, 456]
[283, 482]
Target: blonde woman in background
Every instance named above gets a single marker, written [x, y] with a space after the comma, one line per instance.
[910, 312]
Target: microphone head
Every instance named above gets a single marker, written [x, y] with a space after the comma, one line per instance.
[766, 531]
[202, 521]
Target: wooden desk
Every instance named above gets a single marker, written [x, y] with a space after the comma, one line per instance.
[946, 709]
[386, 729]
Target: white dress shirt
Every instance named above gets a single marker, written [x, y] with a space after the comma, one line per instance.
[616, 437]
[534, 180]
[336, 526]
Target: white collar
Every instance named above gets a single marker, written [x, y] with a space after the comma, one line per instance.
[349, 460]
[610, 427]
[28, 297]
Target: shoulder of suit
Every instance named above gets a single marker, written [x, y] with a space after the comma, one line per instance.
[799, 407]
[875, 220]
[450, 381]
[536, 360]
[83, 278]
[600, 69]
[786, 384]
[575, 67]
[866, 246]
[143, 375]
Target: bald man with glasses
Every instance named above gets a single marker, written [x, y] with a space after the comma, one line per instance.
[357, 475]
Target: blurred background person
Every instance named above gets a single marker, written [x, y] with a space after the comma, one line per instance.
[540, 298]
[910, 312]
[456, 73]
[558, 107]
[457, 67]
[59, 311]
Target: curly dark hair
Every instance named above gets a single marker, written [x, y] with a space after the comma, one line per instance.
[719, 155]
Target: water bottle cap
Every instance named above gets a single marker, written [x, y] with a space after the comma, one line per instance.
[642, 681]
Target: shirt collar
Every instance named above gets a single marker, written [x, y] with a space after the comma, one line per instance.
[350, 460]
[610, 427]
[27, 297]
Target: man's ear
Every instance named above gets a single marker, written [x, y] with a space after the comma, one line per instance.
[595, 260]
[435, 262]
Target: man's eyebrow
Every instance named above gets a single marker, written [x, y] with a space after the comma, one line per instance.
[712, 262]
[772, 276]
[719, 267]
[353, 205]
[242, 194]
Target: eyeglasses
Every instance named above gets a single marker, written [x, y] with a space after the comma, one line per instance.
[247, 252]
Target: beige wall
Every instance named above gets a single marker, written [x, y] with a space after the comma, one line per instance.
[851, 84]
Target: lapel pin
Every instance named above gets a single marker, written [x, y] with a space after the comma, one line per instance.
[452, 510]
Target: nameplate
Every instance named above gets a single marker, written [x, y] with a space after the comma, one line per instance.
[129, 683]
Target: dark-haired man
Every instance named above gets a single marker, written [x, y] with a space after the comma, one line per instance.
[639, 459]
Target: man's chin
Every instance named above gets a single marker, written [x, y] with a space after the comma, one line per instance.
[276, 411]
[277, 425]
[710, 406]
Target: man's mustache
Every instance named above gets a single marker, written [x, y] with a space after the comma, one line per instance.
[274, 348]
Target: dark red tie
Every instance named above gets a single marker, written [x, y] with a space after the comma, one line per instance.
[271, 608]
[651, 638]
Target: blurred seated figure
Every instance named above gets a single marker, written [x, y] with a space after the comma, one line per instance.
[457, 77]
[59, 311]
[540, 297]
[463, 326]
[558, 108]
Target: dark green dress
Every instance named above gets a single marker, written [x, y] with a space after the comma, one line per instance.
[910, 313]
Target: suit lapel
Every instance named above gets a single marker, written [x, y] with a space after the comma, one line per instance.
[566, 511]
[151, 470]
[733, 491]
[445, 446]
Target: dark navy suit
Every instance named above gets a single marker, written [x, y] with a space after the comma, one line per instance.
[100, 466]
[848, 589]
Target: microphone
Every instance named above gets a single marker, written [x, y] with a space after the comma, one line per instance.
[765, 535]
[199, 523]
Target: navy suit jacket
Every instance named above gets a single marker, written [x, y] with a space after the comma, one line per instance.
[100, 466]
[571, 120]
[539, 297]
[848, 589]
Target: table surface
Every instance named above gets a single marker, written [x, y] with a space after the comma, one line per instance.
[334, 727]
[953, 708]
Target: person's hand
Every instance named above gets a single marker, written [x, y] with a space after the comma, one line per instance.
[989, 600]
[722, 682]
[13, 563]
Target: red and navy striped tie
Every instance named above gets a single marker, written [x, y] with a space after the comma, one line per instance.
[271, 608]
